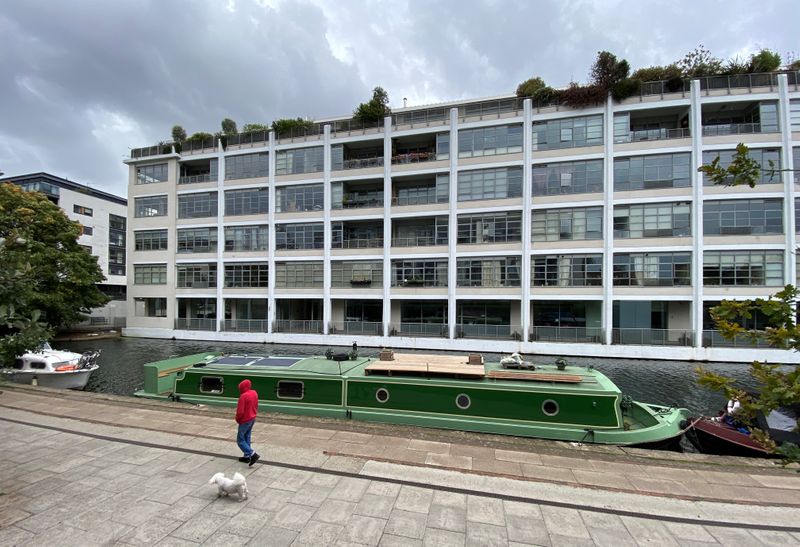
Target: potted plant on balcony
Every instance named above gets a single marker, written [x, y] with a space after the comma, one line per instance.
[413, 282]
[360, 281]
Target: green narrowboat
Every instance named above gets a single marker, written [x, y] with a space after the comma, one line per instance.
[548, 401]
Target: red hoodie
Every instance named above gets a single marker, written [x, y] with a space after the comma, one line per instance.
[247, 408]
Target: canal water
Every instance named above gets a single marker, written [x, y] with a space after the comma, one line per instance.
[657, 382]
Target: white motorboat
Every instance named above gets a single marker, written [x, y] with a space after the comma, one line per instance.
[53, 368]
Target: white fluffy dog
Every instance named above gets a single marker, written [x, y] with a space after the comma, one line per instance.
[226, 486]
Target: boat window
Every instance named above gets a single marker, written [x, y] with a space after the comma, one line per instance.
[18, 364]
[463, 401]
[382, 395]
[38, 365]
[211, 384]
[550, 407]
[290, 389]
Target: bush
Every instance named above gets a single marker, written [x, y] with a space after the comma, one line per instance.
[530, 87]
[699, 62]
[581, 96]
[253, 127]
[656, 73]
[765, 61]
[286, 125]
[737, 66]
[178, 133]
[625, 88]
[228, 127]
[200, 136]
[674, 84]
[375, 109]
[545, 95]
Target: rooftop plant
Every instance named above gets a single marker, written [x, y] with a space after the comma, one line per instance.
[287, 125]
[375, 109]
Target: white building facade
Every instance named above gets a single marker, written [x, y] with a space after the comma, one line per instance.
[486, 225]
[103, 217]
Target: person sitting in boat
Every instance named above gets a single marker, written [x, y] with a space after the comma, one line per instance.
[729, 416]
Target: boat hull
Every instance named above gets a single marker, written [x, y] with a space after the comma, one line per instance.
[712, 437]
[76, 379]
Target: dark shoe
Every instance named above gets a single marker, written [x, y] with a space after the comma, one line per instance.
[244, 458]
[253, 459]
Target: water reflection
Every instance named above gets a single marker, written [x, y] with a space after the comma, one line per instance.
[659, 382]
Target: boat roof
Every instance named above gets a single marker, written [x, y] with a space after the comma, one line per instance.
[402, 368]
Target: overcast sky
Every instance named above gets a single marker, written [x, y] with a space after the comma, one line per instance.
[82, 82]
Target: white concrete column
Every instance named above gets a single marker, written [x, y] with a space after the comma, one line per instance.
[787, 162]
[452, 225]
[387, 224]
[696, 128]
[271, 307]
[527, 202]
[608, 220]
[220, 234]
[326, 252]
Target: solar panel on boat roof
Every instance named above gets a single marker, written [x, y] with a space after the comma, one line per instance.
[234, 360]
[276, 361]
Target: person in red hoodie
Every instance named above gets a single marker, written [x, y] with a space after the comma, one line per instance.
[246, 411]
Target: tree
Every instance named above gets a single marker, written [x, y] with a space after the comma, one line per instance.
[607, 70]
[699, 62]
[47, 280]
[777, 388]
[765, 61]
[228, 127]
[178, 133]
[375, 109]
[529, 87]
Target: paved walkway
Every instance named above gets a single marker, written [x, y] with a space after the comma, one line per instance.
[85, 469]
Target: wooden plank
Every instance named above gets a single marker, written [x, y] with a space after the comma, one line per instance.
[535, 376]
[404, 363]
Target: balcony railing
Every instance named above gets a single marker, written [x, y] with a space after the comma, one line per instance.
[425, 117]
[491, 332]
[731, 129]
[301, 326]
[245, 325]
[312, 131]
[362, 328]
[351, 126]
[193, 179]
[491, 109]
[358, 243]
[360, 201]
[656, 134]
[156, 150]
[419, 282]
[414, 157]
[713, 339]
[363, 163]
[251, 139]
[591, 335]
[417, 241]
[198, 145]
[652, 337]
[420, 199]
[663, 87]
[194, 323]
[733, 81]
[427, 330]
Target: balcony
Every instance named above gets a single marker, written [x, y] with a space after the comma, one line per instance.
[740, 118]
[731, 129]
[195, 323]
[359, 243]
[198, 146]
[357, 155]
[713, 339]
[489, 332]
[427, 330]
[420, 190]
[193, 179]
[659, 134]
[250, 139]
[357, 235]
[652, 337]
[574, 335]
[652, 124]
[147, 151]
[245, 325]
[363, 163]
[425, 117]
[416, 233]
[298, 326]
[359, 328]
[357, 194]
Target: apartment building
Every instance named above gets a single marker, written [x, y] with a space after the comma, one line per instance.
[104, 220]
[489, 225]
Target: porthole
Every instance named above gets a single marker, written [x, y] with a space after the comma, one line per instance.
[382, 395]
[288, 389]
[463, 401]
[550, 407]
[211, 384]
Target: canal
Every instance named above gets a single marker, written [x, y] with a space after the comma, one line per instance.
[658, 382]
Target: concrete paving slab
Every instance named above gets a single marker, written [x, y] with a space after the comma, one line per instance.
[443, 538]
[406, 524]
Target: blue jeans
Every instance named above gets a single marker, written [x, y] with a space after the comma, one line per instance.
[243, 437]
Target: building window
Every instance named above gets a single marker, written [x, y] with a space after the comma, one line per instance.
[196, 276]
[247, 166]
[488, 272]
[575, 177]
[652, 269]
[252, 201]
[505, 182]
[151, 206]
[148, 174]
[116, 261]
[150, 274]
[488, 141]
[743, 217]
[298, 274]
[299, 160]
[197, 240]
[299, 236]
[150, 240]
[421, 193]
[652, 220]
[87, 230]
[201, 205]
[419, 273]
[81, 210]
[420, 233]
[568, 133]
[245, 238]
[649, 172]
[796, 160]
[762, 156]
[87, 248]
[246, 275]
[567, 271]
[580, 223]
[490, 228]
[117, 235]
[309, 197]
[363, 274]
[747, 268]
[150, 307]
